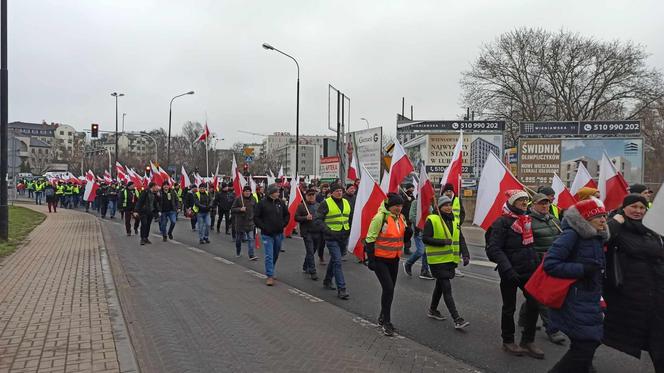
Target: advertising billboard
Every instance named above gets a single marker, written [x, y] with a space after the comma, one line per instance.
[366, 145]
[329, 168]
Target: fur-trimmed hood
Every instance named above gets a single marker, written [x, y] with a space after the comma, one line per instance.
[581, 226]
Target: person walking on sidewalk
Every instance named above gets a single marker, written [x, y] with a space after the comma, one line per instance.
[425, 272]
[146, 208]
[384, 243]
[309, 232]
[578, 253]
[168, 207]
[223, 200]
[332, 218]
[39, 191]
[201, 208]
[112, 199]
[243, 221]
[444, 243]
[510, 246]
[271, 216]
[51, 197]
[128, 198]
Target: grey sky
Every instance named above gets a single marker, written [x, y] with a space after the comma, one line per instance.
[67, 56]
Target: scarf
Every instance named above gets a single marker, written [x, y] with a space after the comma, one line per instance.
[522, 225]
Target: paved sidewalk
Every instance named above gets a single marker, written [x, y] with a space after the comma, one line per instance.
[54, 303]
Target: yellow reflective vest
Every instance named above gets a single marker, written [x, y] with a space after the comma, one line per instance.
[336, 219]
[446, 253]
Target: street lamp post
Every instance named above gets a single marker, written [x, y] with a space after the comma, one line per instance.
[365, 119]
[170, 115]
[297, 108]
[4, 120]
[116, 95]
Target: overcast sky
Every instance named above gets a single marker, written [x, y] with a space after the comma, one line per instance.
[67, 56]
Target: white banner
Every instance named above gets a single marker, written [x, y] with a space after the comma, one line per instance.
[367, 146]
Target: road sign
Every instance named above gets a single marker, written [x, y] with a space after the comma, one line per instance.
[249, 159]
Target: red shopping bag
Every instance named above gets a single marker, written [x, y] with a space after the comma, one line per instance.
[548, 290]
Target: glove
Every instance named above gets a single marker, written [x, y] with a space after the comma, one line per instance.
[512, 277]
[371, 261]
[589, 269]
[466, 260]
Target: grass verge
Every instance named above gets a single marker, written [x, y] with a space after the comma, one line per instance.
[21, 222]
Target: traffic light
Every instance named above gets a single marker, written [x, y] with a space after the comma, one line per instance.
[147, 169]
[94, 130]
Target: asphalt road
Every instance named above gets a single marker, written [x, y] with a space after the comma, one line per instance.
[477, 297]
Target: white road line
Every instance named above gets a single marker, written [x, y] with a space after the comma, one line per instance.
[255, 274]
[197, 250]
[305, 295]
[220, 259]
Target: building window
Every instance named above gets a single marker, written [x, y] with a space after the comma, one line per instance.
[62, 133]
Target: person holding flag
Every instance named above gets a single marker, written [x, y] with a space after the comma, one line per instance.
[309, 231]
[271, 217]
[243, 221]
[168, 207]
[128, 198]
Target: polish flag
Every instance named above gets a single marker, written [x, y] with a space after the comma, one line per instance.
[155, 175]
[145, 181]
[198, 179]
[164, 175]
[612, 185]
[184, 178]
[280, 174]
[385, 182]
[204, 135]
[215, 179]
[90, 187]
[564, 198]
[293, 202]
[353, 168]
[107, 177]
[400, 167]
[496, 179]
[367, 201]
[237, 184]
[582, 179]
[252, 184]
[134, 177]
[425, 195]
[452, 173]
[121, 172]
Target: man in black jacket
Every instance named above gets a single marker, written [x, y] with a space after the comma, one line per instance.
[305, 215]
[223, 200]
[202, 205]
[408, 198]
[127, 201]
[168, 207]
[271, 216]
[146, 208]
[243, 222]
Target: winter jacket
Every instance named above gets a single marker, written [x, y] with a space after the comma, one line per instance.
[147, 204]
[444, 270]
[328, 234]
[243, 220]
[203, 202]
[271, 216]
[168, 201]
[635, 311]
[224, 200]
[307, 226]
[377, 223]
[545, 231]
[506, 249]
[580, 317]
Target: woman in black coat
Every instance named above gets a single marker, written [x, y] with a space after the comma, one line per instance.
[635, 301]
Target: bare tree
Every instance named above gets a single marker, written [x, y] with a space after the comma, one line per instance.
[537, 75]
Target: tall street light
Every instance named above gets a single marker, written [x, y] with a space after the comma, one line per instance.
[116, 95]
[365, 119]
[170, 115]
[4, 119]
[297, 108]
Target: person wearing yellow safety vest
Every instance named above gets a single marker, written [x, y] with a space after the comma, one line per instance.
[551, 195]
[457, 210]
[444, 243]
[60, 193]
[128, 198]
[333, 219]
[178, 193]
[39, 191]
[69, 190]
[384, 243]
[31, 188]
[201, 207]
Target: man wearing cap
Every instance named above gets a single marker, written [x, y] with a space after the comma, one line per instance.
[243, 220]
[510, 246]
[168, 205]
[146, 208]
[201, 208]
[223, 200]
[551, 195]
[271, 216]
[128, 199]
[310, 234]
[333, 219]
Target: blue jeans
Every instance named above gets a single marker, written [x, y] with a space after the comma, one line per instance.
[165, 217]
[419, 253]
[38, 198]
[203, 221]
[334, 266]
[249, 236]
[112, 206]
[272, 247]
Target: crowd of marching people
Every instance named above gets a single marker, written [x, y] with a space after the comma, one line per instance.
[609, 266]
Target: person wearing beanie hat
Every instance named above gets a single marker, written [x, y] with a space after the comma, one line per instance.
[642, 190]
[223, 200]
[457, 206]
[128, 198]
[201, 207]
[313, 239]
[271, 216]
[145, 209]
[168, 205]
[407, 195]
[242, 211]
[510, 246]
[578, 253]
[585, 193]
[444, 245]
[633, 284]
[333, 219]
[384, 242]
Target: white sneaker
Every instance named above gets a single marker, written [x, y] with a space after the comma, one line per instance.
[458, 272]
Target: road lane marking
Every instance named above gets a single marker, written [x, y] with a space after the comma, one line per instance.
[305, 295]
[255, 274]
[195, 249]
[220, 259]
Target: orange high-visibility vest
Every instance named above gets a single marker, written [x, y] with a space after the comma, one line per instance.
[389, 242]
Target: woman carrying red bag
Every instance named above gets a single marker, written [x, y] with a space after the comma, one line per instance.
[578, 253]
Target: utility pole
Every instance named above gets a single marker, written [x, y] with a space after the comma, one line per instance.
[4, 124]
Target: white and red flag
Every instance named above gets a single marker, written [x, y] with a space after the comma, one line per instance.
[155, 175]
[235, 175]
[400, 167]
[452, 173]
[384, 182]
[185, 181]
[280, 174]
[198, 180]
[496, 179]
[164, 175]
[582, 179]
[353, 168]
[215, 179]
[107, 177]
[294, 201]
[90, 187]
[204, 136]
[564, 198]
[367, 201]
[252, 184]
[612, 185]
[425, 195]
[121, 172]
